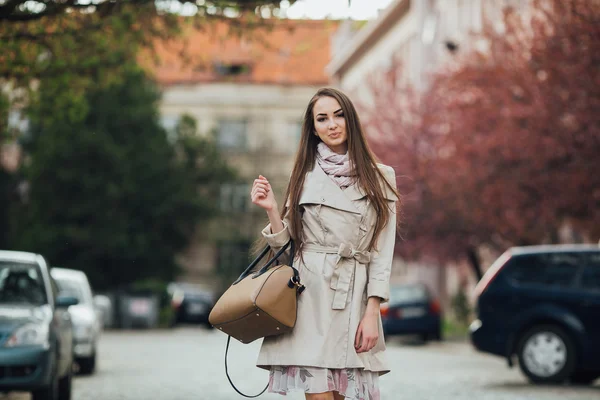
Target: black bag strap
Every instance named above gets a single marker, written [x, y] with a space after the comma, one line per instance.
[229, 378]
[263, 253]
[264, 269]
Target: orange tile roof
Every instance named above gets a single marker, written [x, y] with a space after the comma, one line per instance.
[293, 52]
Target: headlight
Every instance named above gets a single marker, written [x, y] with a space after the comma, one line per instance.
[29, 335]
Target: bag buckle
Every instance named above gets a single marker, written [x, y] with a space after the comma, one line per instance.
[295, 281]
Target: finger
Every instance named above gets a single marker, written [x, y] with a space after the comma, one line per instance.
[261, 185]
[258, 190]
[358, 339]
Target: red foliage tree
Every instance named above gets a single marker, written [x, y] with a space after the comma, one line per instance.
[504, 146]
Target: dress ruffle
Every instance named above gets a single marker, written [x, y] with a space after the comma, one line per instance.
[353, 383]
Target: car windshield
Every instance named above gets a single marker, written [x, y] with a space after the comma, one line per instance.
[21, 283]
[407, 294]
[71, 288]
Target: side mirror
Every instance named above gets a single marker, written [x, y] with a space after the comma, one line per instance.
[63, 301]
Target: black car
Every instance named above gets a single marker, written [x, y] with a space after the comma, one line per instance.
[542, 304]
[191, 304]
[36, 334]
[412, 310]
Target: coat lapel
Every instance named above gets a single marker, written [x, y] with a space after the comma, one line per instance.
[321, 189]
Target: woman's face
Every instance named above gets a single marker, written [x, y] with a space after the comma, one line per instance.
[330, 124]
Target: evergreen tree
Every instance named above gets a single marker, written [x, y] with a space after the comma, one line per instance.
[109, 193]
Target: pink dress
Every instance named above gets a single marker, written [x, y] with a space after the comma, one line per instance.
[354, 384]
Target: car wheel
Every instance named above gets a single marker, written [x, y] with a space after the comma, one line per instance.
[425, 337]
[64, 385]
[87, 365]
[49, 392]
[437, 335]
[584, 377]
[546, 354]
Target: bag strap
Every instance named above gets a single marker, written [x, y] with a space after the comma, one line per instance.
[271, 261]
[229, 378]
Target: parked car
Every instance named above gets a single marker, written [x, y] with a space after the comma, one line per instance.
[542, 304]
[191, 304]
[36, 334]
[86, 319]
[412, 310]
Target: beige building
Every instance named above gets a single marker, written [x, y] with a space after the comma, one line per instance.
[425, 35]
[250, 93]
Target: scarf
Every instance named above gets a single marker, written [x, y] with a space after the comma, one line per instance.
[336, 166]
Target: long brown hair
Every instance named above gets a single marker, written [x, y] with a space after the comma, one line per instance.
[368, 174]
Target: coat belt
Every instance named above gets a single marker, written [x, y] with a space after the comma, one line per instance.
[348, 256]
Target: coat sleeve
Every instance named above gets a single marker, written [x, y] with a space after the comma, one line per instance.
[380, 266]
[279, 239]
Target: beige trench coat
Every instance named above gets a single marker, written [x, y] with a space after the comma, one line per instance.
[339, 274]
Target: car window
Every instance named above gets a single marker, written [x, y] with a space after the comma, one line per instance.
[72, 288]
[590, 277]
[21, 283]
[551, 270]
[407, 294]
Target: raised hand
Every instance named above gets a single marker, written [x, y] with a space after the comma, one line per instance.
[262, 194]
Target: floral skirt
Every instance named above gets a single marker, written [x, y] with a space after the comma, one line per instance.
[354, 384]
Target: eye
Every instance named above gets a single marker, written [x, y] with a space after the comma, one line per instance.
[321, 119]
[340, 114]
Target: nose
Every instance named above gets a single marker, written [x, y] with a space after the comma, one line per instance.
[332, 124]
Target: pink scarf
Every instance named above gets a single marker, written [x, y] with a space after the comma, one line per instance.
[336, 166]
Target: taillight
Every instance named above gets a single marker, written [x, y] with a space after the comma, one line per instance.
[491, 273]
[434, 307]
[385, 309]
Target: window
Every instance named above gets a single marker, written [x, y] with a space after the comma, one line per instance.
[21, 283]
[232, 135]
[407, 294]
[552, 269]
[234, 197]
[232, 69]
[590, 277]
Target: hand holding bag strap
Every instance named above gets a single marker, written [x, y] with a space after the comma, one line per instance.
[229, 378]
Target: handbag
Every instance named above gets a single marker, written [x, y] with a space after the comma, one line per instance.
[259, 304]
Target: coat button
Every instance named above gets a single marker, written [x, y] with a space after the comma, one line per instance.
[323, 199]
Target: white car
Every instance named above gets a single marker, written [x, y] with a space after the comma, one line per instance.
[87, 323]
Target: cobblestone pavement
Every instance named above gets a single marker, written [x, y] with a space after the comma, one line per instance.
[187, 364]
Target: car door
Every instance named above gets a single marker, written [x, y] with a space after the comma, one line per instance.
[589, 311]
[542, 280]
[64, 332]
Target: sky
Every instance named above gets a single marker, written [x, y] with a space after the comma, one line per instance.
[336, 9]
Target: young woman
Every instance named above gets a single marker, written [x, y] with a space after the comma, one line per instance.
[341, 213]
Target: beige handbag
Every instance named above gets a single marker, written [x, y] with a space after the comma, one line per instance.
[259, 304]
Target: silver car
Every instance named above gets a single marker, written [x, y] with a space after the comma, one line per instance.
[87, 323]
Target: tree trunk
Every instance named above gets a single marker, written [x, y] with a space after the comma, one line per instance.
[475, 262]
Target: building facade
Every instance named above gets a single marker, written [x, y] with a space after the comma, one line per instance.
[250, 94]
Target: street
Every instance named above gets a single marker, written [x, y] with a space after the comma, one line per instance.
[187, 363]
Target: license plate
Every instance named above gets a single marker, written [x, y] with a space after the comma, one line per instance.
[412, 312]
[139, 307]
[196, 308]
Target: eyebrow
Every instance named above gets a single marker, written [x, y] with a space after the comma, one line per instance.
[335, 112]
